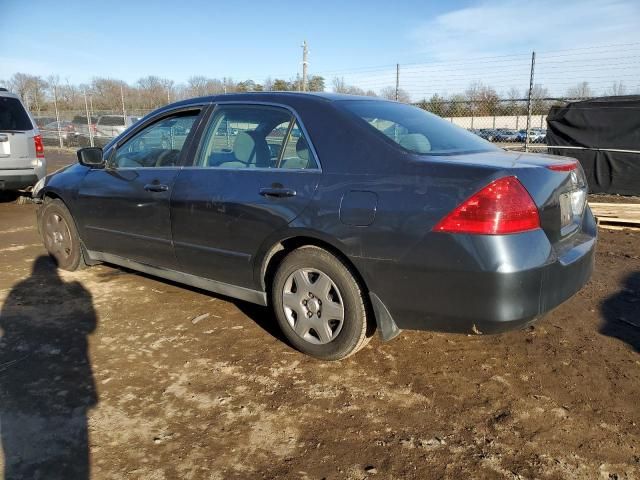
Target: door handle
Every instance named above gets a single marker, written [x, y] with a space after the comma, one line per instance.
[277, 192]
[156, 187]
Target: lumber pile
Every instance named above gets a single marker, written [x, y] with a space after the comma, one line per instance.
[617, 215]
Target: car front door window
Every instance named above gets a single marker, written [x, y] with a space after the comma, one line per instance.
[158, 145]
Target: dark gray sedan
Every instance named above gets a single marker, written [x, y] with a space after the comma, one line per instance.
[343, 213]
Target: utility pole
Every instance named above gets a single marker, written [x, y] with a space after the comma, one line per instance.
[89, 126]
[397, 80]
[305, 63]
[124, 111]
[526, 135]
[55, 105]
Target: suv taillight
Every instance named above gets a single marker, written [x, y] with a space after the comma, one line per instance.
[37, 140]
[502, 207]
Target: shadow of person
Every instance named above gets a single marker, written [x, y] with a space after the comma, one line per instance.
[46, 380]
[622, 313]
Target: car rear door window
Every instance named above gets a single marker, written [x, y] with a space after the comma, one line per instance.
[13, 116]
[254, 136]
[157, 145]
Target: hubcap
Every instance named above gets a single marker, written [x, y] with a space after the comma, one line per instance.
[57, 236]
[313, 305]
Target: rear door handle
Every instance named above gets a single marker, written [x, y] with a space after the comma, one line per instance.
[156, 187]
[277, 192]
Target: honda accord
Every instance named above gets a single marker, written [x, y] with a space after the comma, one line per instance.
[344, 214]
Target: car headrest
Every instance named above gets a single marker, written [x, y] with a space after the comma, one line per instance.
[244, 147]
[302, 149]
[416, 142]
[251, 148]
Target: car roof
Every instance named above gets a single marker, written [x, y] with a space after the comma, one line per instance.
[274, 96]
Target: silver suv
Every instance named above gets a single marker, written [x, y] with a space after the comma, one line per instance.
[22, 161]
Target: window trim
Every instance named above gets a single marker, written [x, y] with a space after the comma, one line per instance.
[113, 148]
[296, 117]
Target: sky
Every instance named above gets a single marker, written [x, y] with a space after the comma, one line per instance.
[441, 46]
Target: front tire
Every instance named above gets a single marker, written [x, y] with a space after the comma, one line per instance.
[319, 304]
[60, 236]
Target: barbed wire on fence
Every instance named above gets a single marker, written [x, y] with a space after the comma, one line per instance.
[493, 96]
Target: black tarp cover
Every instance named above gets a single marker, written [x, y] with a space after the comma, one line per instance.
[601, 123]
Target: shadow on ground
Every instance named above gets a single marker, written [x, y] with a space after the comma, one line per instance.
[622, 313]
[46, 379]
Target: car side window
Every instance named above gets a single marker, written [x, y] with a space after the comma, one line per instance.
[254, 136]
[157, 145]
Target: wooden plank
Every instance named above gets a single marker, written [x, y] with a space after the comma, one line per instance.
[619, 227]
[633, 221]
[616, 213]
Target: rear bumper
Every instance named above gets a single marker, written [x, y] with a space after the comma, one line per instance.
[483, 284]
[17, 182]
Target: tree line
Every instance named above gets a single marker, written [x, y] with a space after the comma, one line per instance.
[150, 92]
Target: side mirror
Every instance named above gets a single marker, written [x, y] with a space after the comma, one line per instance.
[91, 157]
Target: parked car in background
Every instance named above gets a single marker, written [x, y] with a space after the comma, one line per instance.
[378, 215]
[488, 134]
[65, 129]
[22, 161]
[505, 135]
[83, 127]
[110, 126]
[42, 121]
[536, 135]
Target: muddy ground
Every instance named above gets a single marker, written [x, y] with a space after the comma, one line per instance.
[110, 374]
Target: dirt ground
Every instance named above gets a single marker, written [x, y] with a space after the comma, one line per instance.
[109, 374]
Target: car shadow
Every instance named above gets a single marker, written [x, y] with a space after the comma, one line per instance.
[622, 313]
[46, 378]
[261, 316]
[8, 197]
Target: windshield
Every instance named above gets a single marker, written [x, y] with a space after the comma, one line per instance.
[416, 130]
[13, 115]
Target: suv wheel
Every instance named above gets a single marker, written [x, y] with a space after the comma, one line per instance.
[60, 236]
[319, 304]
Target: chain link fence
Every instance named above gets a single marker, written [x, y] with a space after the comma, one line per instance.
[503, 99]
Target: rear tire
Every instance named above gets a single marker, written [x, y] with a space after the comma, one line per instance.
[319, 304]
[60, 236]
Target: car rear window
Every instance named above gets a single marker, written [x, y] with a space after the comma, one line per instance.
[82, 119]
[115, 121]
[13, 116]
[416, 130]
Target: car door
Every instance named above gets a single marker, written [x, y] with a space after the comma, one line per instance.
[124, 208]
[253, 174]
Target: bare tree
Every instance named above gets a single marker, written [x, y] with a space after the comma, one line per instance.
[390, 94]
[581, 90]
[483, 100]
[339, 86]
[617, 89]
[539, 103]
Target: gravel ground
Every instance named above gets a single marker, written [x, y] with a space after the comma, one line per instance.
[110, 374]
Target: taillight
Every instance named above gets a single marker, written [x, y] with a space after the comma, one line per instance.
[563, 167]
[37, 140]
[502, 207]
